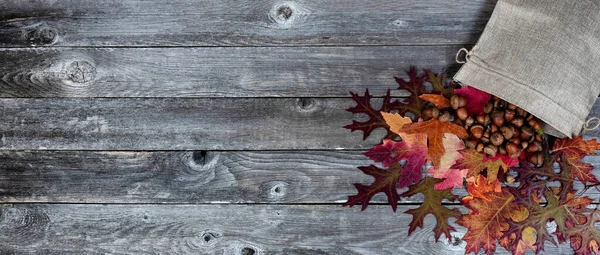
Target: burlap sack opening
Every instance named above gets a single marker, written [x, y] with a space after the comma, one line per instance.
[543, 56]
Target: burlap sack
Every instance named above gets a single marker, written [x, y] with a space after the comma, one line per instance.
[543, 56]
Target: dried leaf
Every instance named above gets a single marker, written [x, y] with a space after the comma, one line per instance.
[376, 120]
[439, 101]
[489, 219]
[476, 163]
[432, 204]
[395, 121]
[479, 188]
[385, 181]
[415, 87]
[435, 130]
[476, 99]
[439, 85]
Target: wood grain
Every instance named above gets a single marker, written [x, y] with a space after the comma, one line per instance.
[220, 229]
[183, 124]
[214, 72]
[190, 177]
[244, 23]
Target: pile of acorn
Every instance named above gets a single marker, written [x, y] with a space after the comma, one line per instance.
[503, 128]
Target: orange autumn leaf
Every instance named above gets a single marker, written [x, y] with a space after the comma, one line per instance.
[488, 220]
[395, 121]
[482, 186]
[435, 129]
[571, 151]
[439, 101]
[476, 163]
[576, 146]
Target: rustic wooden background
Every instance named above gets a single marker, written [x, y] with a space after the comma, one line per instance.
[211, 126]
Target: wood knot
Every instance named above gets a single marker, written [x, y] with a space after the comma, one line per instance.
[248, 251]
[42, 35]
[284, 12]
[199, 157]
[306, 104]
[80, 72]
[209, 237]
[275, 190]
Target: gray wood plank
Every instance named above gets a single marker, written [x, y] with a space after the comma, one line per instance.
[313, 177]
[247, 22]
[213, 72]
[183, 124]
[178, 124]
[219, 229]
[180, 176]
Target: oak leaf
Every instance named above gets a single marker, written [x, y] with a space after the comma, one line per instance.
[376, 120]
[438, 82]
[571, 152]
[415, 87]
[488, 220]
[435, 130]
[476, 99]
[585, 238]
[439, 101]
[395, 121]
[480, 187]
[432, 204]
[451, 177]
[385, 181]
[476, 163]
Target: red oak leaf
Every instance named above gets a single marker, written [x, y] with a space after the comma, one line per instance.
[585, 238]
[415, 87]
[376, 120]
[385, 181]
[432, 204]
[435, 129]
[476, 99]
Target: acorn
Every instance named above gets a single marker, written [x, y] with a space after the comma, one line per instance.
[534, 147]
[511, 106]
[481, 119]
[477, 131]
[512, 150]
[497, 138]
[536, 159]
[444, 116]
[431, 112]
[457, 101]
[534, 124]
[510, 179]
[520, 111]
[509, 115]
[469, 121]
[494, 128]
[471, 144]
[500, 104]
[502, 149]
[518, 122]
[488, 107]
[507, 131]
[515, 140]
[462, 113]
[526, 133]
[524, 145]
[498, 118]
[479, 147]
[490, 150]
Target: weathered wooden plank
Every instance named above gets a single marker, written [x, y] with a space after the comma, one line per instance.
[313, 177]
[247, 22]
[179, 176]
[219, 229]
[183, 124]
[213, 72]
